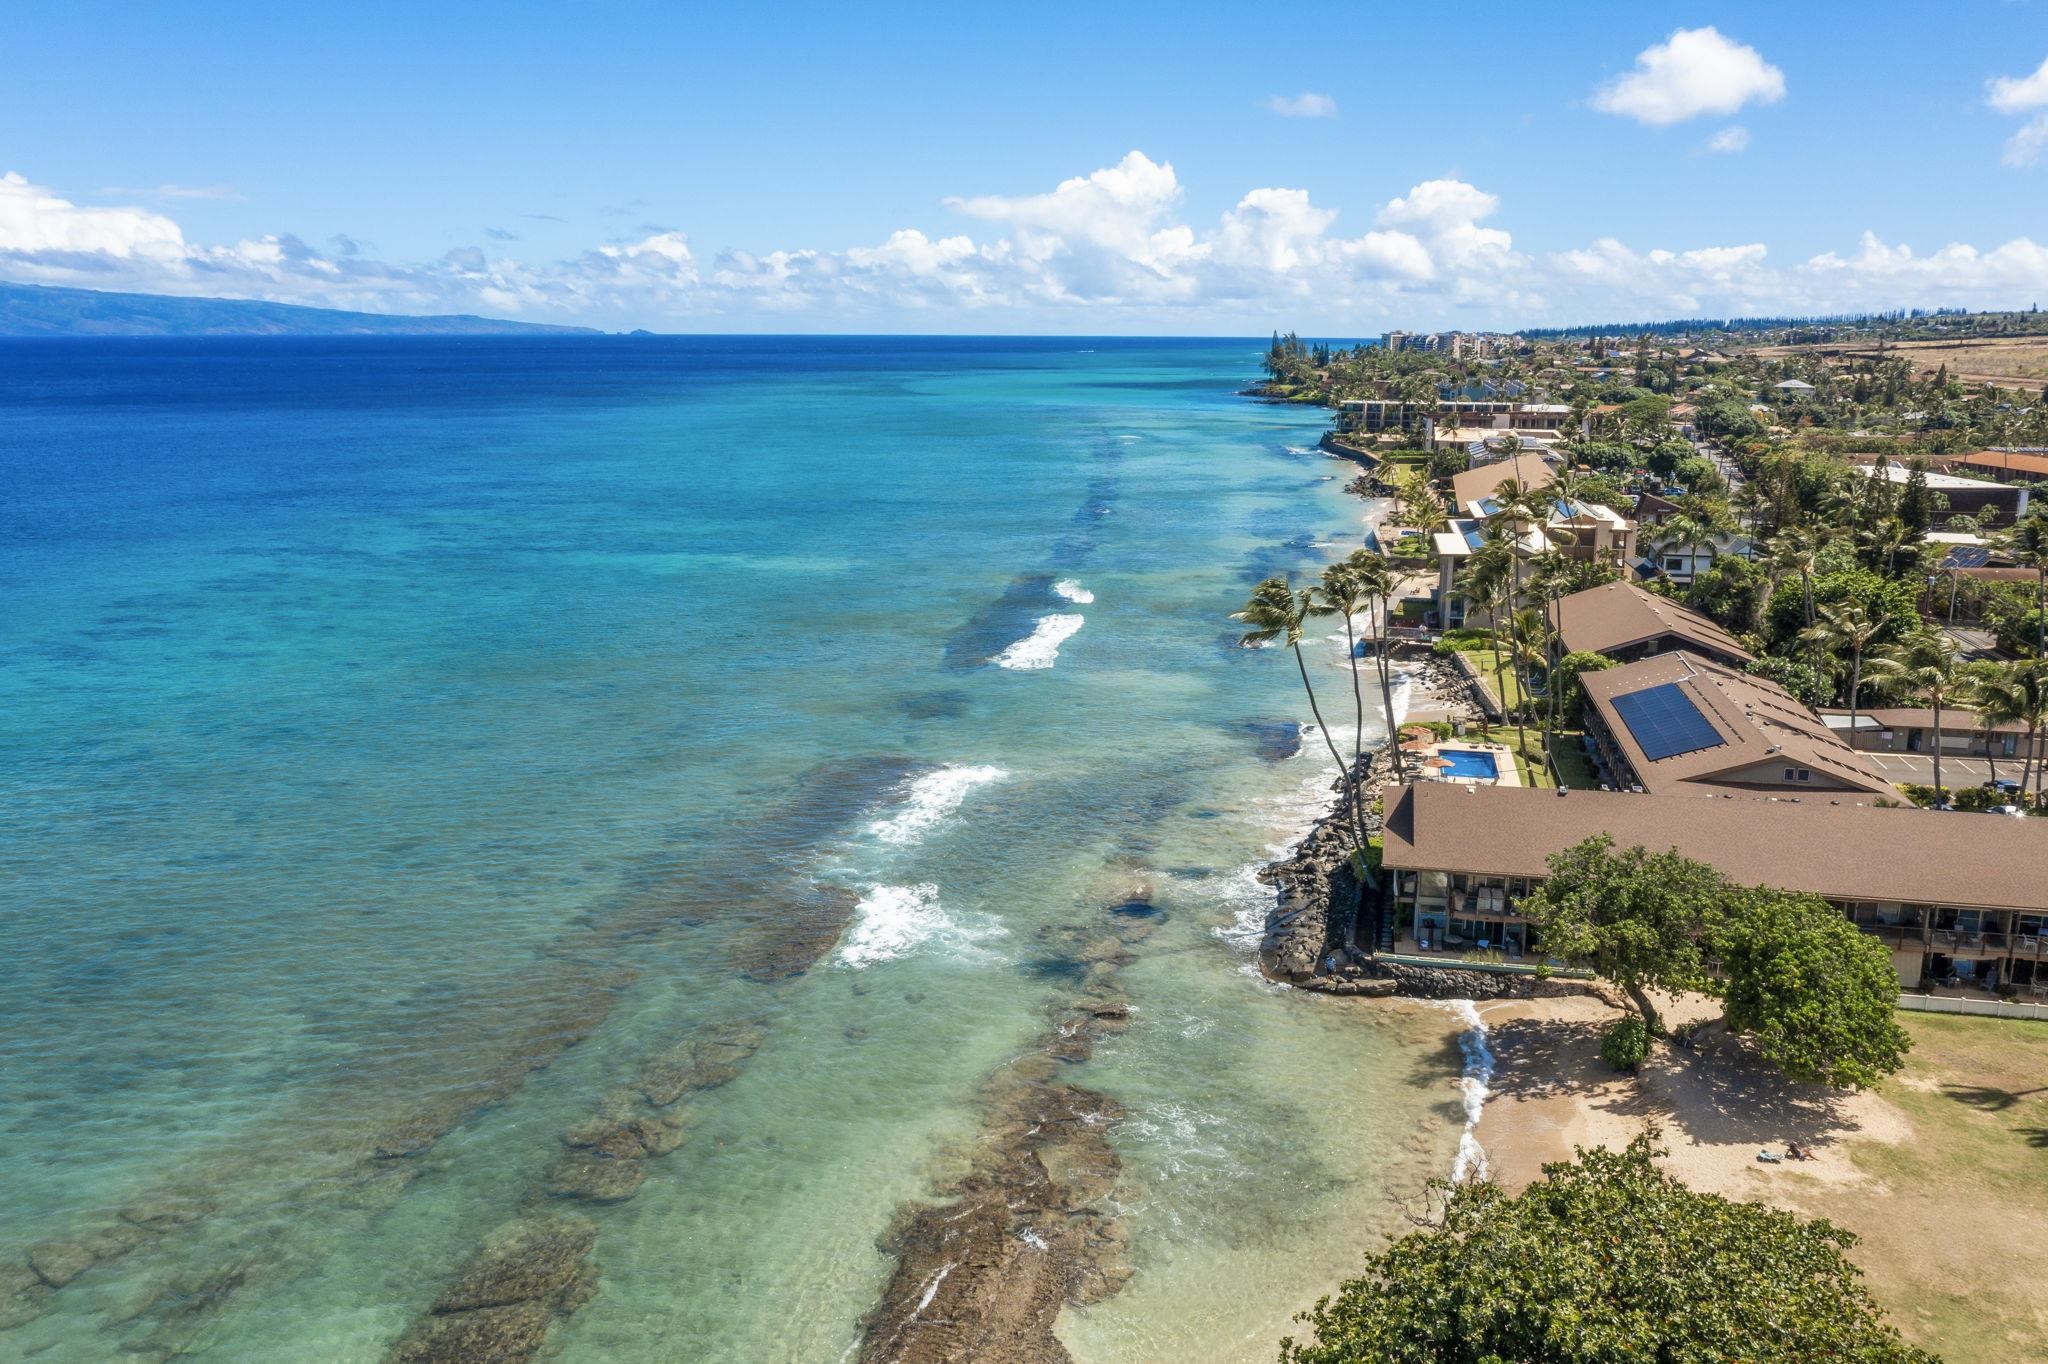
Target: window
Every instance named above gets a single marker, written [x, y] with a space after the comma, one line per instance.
[1798, 774]
[1673, 564]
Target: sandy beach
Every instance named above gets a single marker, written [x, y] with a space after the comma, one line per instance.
[1713, 1108]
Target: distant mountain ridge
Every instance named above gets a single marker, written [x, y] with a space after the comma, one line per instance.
[46, 310]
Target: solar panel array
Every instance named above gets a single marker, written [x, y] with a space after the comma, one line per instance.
[1665, 722]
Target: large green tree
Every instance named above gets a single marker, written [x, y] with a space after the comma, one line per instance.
[1639, 918]
[1814, 996]
[1606, 1260]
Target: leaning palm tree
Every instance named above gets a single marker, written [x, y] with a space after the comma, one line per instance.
[2017, 693]
[1275, 612]
[1341, 594]
[1376, 580]
[1849, 627]
[1925, 668]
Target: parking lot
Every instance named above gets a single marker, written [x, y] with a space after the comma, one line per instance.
[1955, 772]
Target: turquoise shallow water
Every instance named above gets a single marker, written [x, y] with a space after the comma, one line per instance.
[407, 740]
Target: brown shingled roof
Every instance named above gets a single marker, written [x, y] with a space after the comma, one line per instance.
[2008, 461]
[1842, 851]
[1758, 721]
[1954, 719]
[1605, 619]
[1473, 484]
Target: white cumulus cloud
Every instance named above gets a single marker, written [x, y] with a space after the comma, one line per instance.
[2018, 94]
[1307, 104]
[1733, 138]
[1103, 252]
[2024, 147]
[1693, 72]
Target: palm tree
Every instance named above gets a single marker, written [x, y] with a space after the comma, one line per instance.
[1518, 504]
[2017, 693]
[1341, 594]
[1552, 580]
[2027, 542]
[1849, 627]
[1529, 640]
[1483, 584]
[1699, 524]
[1925, 668]
[1276, 611]
[1797, 550]
[1376, 580]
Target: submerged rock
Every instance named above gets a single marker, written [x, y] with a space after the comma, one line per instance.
[629, 1139]
[499, 1309]
[23, 1297]
[57, 1263]
[706, 1060]
[522, 1262]
[595, 1179]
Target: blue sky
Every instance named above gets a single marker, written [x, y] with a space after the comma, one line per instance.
[698, 168]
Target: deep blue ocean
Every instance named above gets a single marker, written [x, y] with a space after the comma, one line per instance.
[406, 741]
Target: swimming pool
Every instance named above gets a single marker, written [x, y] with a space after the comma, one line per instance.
[1468, 765]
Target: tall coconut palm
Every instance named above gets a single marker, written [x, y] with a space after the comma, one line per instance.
[1552, 580]
[1483, 584]
[1925, 668]
[1275, 612]
[1341, 594]
[1518, 508]
[1529, 640]
[2017, 693]
[1376, 580]
[1849, 627]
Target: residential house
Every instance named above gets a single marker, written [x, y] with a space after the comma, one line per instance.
[1953, 896]
[1627, 622]
[1581, 530]
[1680, 724]
[1665, 557]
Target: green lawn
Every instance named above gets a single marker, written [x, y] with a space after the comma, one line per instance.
[1955, 1239]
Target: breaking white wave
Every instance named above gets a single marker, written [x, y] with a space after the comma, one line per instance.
[1477, 1084]
[894, 921]
[1247, 898]
[1041, 647]
[1297, 449]
[930, 798]
[1073, 591]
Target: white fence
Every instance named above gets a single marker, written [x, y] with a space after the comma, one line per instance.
[1990, 1008]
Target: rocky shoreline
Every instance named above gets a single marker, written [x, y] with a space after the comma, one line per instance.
[1320, 912]
[983, 1272]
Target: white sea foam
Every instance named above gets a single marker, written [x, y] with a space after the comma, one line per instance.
[930, 798]
[1477, 1084]
[1073, 591]
[1041, 647]
[1297, 449]
[894, 921]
